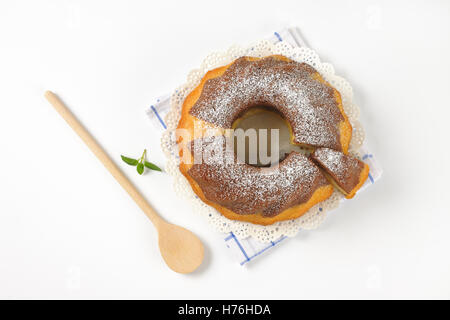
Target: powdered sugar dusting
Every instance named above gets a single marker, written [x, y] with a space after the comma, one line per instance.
[344, 169]
[288, 87]
[246, 189]
[332, 160]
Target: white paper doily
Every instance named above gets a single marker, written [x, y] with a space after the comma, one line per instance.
[315, 216]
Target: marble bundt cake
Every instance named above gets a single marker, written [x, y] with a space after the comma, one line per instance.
[313, 111]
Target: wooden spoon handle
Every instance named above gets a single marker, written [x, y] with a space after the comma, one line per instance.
[103, 157]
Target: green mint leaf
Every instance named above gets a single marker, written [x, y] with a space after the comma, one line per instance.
[130, 161]
[152, 166]
[140, 168]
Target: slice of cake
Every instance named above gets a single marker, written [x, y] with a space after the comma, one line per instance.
[346, 173]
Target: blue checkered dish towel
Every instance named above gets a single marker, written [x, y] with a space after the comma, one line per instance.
[246, 250]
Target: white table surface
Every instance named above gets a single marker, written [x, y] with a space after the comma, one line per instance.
[67, 230]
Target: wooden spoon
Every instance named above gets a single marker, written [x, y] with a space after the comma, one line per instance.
[181, 249]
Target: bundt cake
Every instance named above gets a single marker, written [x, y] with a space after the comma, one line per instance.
[347, 173]
[313, 111]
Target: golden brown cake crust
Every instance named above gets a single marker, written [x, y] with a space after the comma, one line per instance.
[335, 131]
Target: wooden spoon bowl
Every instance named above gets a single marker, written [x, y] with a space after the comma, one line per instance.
[180, 248]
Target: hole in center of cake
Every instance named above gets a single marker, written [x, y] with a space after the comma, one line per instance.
[262, 137]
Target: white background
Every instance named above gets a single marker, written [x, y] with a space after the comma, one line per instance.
[67, 230]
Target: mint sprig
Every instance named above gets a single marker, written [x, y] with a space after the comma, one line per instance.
[140, 163]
